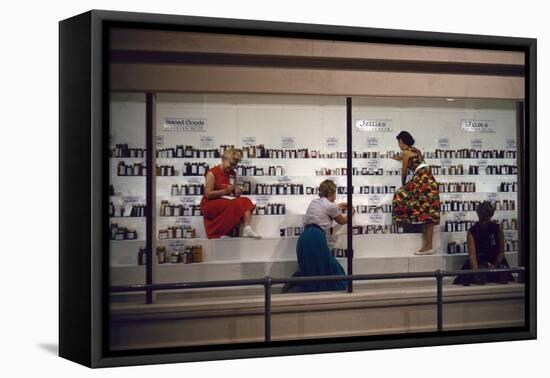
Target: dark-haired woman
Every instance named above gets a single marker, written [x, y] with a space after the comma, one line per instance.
[485, 249]
[417, 201]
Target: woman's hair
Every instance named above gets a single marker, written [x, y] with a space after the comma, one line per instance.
[406, 137]
[233, 154]
[326, 188]
[485, 211]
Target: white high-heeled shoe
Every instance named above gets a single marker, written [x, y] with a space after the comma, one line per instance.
[428, 252]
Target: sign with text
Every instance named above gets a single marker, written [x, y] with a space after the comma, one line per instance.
[160, 140]
[476, 144]
[374, 125]
[482, 164]
[283, 179]
[288, 142]
[446, 162]
[373, 142]
[332, 142]
[186, 200]
[459, 216]
[207, 141]
[248, 141]
[195, 180]
[373, 164]
[510, 235]
[131, 200]
[478, 126]
[177, 245]
[195, 125]
[376, 218]
[511, 144]
[443, 143]
[492, 196]
[374, 199]
[262, 200]
[183, 221]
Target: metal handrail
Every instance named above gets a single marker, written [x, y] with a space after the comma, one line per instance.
[267, 282]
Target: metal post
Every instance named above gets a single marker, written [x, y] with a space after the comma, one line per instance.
[522, 162]
[267, 309]
[149, 192]
[349, 151]
[439, 279]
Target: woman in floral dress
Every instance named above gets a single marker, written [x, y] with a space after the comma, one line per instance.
[417, 201]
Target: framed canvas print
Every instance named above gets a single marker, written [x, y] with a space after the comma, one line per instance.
[233, 188]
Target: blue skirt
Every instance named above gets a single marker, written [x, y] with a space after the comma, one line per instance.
[315, 259]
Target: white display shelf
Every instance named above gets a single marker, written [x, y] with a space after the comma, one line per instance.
[129, 218]
[128, 241]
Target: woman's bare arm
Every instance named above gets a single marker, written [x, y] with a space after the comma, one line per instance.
[404, 166]
[500, 255]
[209, 191]
[472, 253]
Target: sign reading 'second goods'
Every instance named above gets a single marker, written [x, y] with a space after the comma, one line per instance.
[383, 125]
[185, 124]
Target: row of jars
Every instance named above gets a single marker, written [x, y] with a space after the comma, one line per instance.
[368, 209]
[187, 152]
[466, 153]
[132, 169]
[177, 232]
[122, 233]
[137, 210]
[454, 205]
[191, 254]
[456, 187]
[251, 170]
[270, 209]
[121, 150]
[187, 190]
[369, 189]
[170, 210]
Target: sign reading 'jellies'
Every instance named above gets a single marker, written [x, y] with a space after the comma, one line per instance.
[380, 125]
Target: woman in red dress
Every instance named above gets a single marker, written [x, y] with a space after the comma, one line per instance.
[222, 206]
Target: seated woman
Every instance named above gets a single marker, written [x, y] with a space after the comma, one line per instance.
[222, 206]
[485, 249]
[313, 252]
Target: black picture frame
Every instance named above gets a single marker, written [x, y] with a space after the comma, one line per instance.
[83, 275]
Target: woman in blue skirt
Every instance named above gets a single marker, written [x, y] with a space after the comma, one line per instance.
[314, 256]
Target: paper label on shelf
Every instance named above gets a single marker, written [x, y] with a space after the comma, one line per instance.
[511, 144]
[374, 125]
[207, 141]
[482, 164]
[176, 245]
[130, 200]
[283, 179]
[160, 140]
[374, 199]
[185, 124]
[443, 143]
[332, 142]
[510, 235]
[373, 142]
[245, 163]
[288, 142]
[376, 218]
[186, 200]
[262, 200]
[183, 221]
[492, 196]
[446, 162]
[459, 215]
[195, 180]
[456, 197]
[373, 163]
[476, 144]
[248, 141]
[478, 126]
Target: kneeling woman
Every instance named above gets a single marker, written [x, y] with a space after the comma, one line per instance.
[221, 206]
[314, 256]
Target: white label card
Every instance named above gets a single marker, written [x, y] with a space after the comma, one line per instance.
[373, 142]
[443, 143]
[288, 142]
[207, 141]
[476, 144]
[249, 141]
[376, 218]
[332, 142]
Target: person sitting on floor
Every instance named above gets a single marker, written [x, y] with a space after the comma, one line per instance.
[485, 241]
[312, 250]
